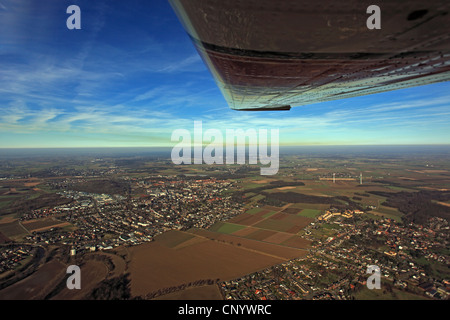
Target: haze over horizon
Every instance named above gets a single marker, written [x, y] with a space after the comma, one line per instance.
[131, 76]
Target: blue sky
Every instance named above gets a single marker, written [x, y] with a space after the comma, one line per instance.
[131, 76]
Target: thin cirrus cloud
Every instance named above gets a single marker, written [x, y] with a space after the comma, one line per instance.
[185, 64]
[131, 76]
[301, 125]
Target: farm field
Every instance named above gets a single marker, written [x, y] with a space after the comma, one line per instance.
[43, 224]
[279, 226]
[227, 250]
[366, 294]
[251, 245]
[158, 265]
[38, 285]
[13, 230]
[309, 213]
[93, 272]
[225, 227]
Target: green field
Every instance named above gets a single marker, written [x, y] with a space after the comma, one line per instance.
[380, 294]
[257, 197]
[226, 227]
[388, 212]
[276, 225]
[47, 188]
[323, 233]
[370, 216]
[333, 226]
[395, 188]
[310, 213]
[5, 203]
[6, 200]
[251, 185]
[13, 230]
[254, 210]
[173, 238]
[437, 269]
[314, 206]
[269, 214]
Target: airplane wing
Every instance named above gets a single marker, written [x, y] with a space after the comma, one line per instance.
[271, 55]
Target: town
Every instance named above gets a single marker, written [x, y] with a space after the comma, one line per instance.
[103, 221]
[335, 269]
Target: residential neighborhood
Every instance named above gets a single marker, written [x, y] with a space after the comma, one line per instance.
[336, 268]
[101, 221]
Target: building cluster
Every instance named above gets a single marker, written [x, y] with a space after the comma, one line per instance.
[87, 199]
[12, 256]
[335, 212]
[103, 221]
[82, 200]
[336, 267]
[314, 277]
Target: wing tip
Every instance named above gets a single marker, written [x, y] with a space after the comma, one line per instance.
[268, 108]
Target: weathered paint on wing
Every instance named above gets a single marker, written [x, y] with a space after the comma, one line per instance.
[269, 55]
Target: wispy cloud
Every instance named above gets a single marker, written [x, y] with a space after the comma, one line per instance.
[132, 81]
[183, 65]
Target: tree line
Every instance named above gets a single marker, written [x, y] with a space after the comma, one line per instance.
[183, 286]
[419, 206]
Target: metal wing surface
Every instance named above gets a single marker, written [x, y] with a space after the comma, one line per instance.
[271, 55]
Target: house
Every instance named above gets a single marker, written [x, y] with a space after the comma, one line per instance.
[431, 293]
[426, 286]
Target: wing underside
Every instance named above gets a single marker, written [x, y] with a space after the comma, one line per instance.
[270, 55]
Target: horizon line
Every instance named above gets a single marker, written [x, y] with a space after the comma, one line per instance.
[281, 145]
